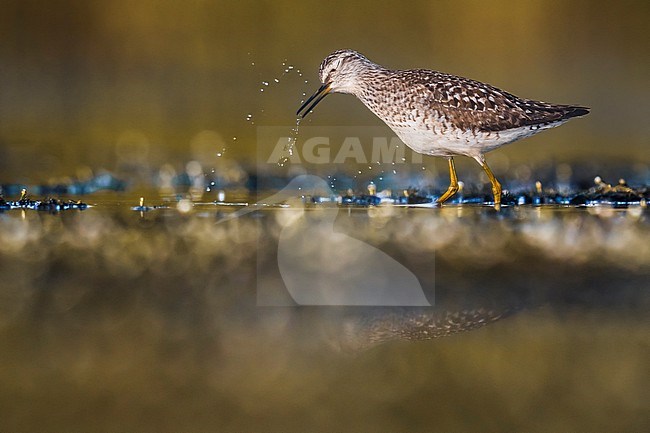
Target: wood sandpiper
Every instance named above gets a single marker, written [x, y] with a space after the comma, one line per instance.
[439, 114]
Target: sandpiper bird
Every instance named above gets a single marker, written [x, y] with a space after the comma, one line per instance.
[439, 114]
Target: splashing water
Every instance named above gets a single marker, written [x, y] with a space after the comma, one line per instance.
[266, 85]
[291, 143]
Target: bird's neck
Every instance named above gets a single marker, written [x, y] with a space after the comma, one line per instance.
[368, 79]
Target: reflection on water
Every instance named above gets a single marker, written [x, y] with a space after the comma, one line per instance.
[111, 318]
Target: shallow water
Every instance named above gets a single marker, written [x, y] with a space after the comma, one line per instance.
[115, 319]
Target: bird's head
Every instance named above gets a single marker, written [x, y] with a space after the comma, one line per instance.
[339, 72]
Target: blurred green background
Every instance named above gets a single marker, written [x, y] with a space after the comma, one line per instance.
[81, 81]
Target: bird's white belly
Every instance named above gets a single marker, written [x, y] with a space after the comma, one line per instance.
[453, 141]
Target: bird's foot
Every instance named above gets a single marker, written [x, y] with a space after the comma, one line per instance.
[453, 189]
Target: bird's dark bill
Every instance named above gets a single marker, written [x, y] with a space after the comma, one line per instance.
[316, 97]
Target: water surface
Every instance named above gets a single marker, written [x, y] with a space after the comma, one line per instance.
[114, 318]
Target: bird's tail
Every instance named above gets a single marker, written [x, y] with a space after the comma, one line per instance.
[574, 111]
[550, 115]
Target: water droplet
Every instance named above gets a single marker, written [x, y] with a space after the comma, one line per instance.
[283, 161]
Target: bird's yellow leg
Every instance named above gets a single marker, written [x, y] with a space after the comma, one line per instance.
[496, 186]
[453, 183]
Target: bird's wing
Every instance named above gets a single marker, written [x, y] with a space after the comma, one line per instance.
[469, 104]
